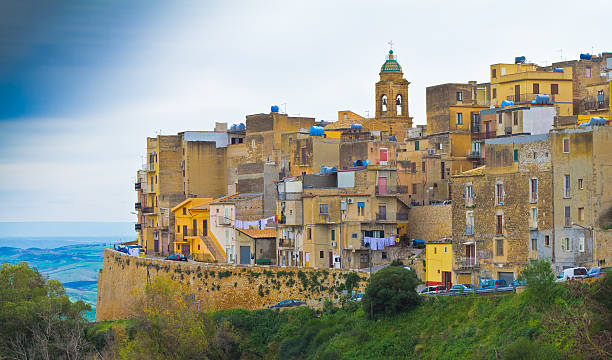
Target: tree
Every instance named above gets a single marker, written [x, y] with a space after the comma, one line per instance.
[540, 281]
[391, 290]
[38, 319]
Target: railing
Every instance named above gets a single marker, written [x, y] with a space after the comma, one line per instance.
[147, 210]
[137, 186]
[528, 98]
[533, 198]
[484, 135]
[391, 189]
[148, 167]
[289, 196]
[401, 216]
[381, 216]
[286, 243]
[473, 154]
[475, 128]
[596, 105]
[137, 227]
[137, 206]
[147, 188]
[469, 230]
[222, 220]
[467, 262]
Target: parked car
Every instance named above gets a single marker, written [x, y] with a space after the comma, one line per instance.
[287, 303]
[598, 271]
[572, 274]
[177, 257]
[460, 288]
[517, 283]
[418, 243]
[356, 297]
[494, 284]
[429, 290]
[407, 268]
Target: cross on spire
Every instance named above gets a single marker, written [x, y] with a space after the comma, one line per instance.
[390, 44]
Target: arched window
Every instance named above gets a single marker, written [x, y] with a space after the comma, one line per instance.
[398, 104]
[384, 103]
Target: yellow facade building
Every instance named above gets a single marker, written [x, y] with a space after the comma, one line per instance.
[521, 83]
[193, 237]
[439, 264]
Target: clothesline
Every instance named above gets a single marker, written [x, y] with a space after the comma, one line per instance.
[379, 243]
[253, 224]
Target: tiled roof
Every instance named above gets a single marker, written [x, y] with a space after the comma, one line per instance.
[259, 234]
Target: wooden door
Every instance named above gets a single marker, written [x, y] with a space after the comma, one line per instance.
[446, 279]
[195, 227]
[185, 249]
[363, 261]
[382, 185]
[517, 93]
[331, 259]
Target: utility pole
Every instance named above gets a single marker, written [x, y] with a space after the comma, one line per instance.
[370, 261]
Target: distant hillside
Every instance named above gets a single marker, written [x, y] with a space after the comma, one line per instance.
[68, 228]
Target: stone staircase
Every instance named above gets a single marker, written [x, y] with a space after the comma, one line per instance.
[214, 249]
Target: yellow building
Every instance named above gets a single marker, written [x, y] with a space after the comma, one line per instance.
[521, 83]
[439, 264]
[193, 236]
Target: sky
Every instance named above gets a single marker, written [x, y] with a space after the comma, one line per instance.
[83, 83]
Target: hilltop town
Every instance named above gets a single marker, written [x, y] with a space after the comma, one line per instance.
[514, 169]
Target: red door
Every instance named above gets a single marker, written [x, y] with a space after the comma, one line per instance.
[446, 279]
[331, 259]
[382, 185]
[383, 156]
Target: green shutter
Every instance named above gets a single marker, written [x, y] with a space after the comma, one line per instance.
[515, 154]
[416, 145]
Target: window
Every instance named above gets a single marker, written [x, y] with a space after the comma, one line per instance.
[567, 216]
[494, 73]
[499, 247]
[309, 233]
[469, 194]
[204, 227]
[198, 246]
[547, 240]
[382, 212]
[494, 95]
[333, 234]
[580, 185]
[499, 224]
[566, 147]
[354, 236]
[413, 168]
[398, 104]
[515, 155]
[499, 193]
[360, 208]
[459, 118]
[178, 228]
[323, 208]
[554, 89]
[567, 244]
[503, 71]
[536, 88]
[581, 244]
[587, 71]
[533, 190]
[416, 145]
[321, 254]
[534, 218]
[423, 166]
[384, 103]
[442, 170]
[184, 211]
[581, 214]
[415, 188]
[459, 96]
[534, 244]
[469, 223]
[515, 118]
[499, 118]
[566, 186]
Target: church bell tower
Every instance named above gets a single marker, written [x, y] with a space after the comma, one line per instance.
[392, 97]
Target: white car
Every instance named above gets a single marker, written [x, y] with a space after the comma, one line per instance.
[572, 274]
[430, 290]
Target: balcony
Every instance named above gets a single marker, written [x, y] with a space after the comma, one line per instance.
[381, 216]
[469, 230]
[484, 135]
[527, 98]
[288, 196]
[594, 105]
[286, 243]
[148, 167]
[147, 210]
[391, 189]
[137, 206]
[473, 154]
[147, 188]
[222, 220]
[138, 186]
[401, 216]
[468, 262]
[137, 227]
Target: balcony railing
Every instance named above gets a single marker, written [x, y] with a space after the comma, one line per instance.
[148, 167]
[402, 216]
[137, 186]
[381, 216]
[286, 243]
[528, 98]
[147, 210]
[147, 188]
[469, 230]
[391, 189]
[468, 262]
[137, 206]
[287, 196]
[596, 105]
[484, 135]
[473, 154]
[222, 220]
[137, 227]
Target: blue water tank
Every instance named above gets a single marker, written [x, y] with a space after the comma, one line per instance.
[585, 56]
[597, 121]
[507, 103]
[360, 163]
[392, 138]
[326, 170]
[559, 70]
[316, 131]
[274, 108]
[234, 128]
[542, 99]
[356, 127]
[519, 60]
[241, 127]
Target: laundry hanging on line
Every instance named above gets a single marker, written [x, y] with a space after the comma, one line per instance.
[379, 243]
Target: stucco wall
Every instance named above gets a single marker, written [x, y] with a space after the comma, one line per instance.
[215, 287]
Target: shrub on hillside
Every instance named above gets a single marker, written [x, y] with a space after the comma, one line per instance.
[540, 280]
[396, 262]
[525, 349]
[391, 290]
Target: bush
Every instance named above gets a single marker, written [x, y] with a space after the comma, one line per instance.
[540, 281]
[391, 290]
[396, 262]
[525, 349]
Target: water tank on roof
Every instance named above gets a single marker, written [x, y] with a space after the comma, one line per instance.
[559, 70]
[360, 163]
[597, 121]
[233, 128]
[241, 127]
[326, 170]
[507, 103]
[585, 56]
[519, 60]
[274, 108]
[542, 99]
[316, 131]
[356, 127]
[392, 138]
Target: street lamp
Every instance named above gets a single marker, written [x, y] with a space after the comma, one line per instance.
[590, 228]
